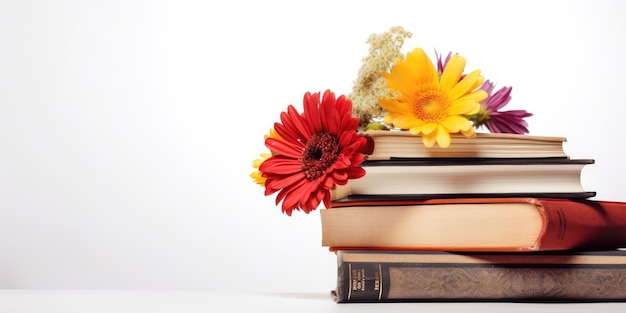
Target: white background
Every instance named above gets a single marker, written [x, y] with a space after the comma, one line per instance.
[128, 128]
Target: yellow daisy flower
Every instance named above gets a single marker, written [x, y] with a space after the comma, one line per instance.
[430, 105]
[257, 175]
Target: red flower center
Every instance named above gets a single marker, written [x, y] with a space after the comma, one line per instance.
[320, 153]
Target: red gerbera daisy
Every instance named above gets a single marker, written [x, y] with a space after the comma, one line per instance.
[319, 149]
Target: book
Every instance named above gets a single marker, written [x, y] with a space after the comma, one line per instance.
[475, 224]
[434, 178]
[396, 276]
[403, 144]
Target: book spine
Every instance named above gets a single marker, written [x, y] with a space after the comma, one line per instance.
[383, 282]
[581, 224]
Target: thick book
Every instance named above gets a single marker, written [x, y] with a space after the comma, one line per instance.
[434, 178]
[396, 276]
[402, 144]
[475, 224]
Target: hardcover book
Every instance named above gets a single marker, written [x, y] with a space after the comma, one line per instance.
[402, 144]
[433, 178]
[475, 224]
[396, 276]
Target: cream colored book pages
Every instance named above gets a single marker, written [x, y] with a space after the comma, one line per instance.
[433, 226]
[402, 144]
[464, 179]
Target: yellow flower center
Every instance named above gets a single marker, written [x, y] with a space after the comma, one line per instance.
[430, 106]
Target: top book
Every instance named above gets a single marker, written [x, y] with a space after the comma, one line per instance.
[402, 144]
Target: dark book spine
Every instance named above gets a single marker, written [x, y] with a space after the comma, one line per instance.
[382, 282]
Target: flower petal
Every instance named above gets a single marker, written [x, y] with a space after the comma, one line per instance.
[454, 124]
[285, 181]
[283, 148]
[465, 85]
[298, 123]
[311, 107]
[499, 99]
[422, 68]
[429, 140]
[279, 165]
[443, 137]
[428, 128]
[452, 73]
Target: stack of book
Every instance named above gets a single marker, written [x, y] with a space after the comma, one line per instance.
[499, 217]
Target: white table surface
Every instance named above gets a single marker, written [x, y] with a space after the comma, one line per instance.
[94, 301]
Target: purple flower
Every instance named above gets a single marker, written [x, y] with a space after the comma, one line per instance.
[441, 64]
[501, 121]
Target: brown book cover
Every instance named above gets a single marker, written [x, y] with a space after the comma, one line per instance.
[397, 276]
[475, 224]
